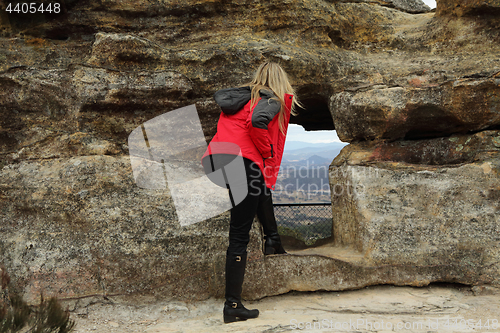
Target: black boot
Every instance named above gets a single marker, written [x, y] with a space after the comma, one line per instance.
[265, 213]
[235, 273]
[272, 245]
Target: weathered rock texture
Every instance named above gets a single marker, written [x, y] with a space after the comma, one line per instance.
[464, 105]
[411, 6]
[417, 94]
[428, 203]
[468, 7]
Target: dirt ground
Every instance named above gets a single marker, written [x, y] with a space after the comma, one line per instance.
[435, 308]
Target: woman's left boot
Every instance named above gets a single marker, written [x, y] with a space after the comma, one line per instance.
[272, 244]
[235, 273]
[265, 213]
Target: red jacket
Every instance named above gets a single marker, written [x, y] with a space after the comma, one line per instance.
[254, 130]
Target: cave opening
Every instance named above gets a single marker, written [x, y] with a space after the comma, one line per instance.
[315, 114]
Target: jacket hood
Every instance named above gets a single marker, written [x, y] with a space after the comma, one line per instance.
[231, 100]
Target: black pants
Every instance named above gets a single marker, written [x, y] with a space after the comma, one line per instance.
[258, 200]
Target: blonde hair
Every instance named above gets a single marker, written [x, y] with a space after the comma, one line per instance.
[270, 76]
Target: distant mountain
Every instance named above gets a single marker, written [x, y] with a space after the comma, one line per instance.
[318, 160]
[304, 150]
[311, 161]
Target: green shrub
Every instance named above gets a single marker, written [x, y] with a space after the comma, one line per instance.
[16, 314]
[50, 317]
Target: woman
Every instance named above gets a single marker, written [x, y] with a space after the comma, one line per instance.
[254, 119]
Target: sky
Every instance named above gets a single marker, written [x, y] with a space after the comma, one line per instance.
[430, 3]
[298, 133]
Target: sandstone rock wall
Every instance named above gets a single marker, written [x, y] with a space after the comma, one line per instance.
[416, 94]
[468, 7]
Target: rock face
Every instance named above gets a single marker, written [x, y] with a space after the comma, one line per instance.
[464, 105]
[468, 7]
[411, 6]
[426, 202]
[417, 95]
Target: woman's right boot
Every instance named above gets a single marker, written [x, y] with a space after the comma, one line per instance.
[235, 273]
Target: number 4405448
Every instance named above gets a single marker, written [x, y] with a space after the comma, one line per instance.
[32, 8]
